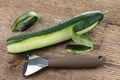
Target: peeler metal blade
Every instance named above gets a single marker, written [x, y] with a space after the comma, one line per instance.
[33, 64]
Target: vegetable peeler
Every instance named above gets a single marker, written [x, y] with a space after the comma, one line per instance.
[35, 63]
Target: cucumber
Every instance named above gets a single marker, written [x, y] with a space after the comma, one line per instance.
[65, 30]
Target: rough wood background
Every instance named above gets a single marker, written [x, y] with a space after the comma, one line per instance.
[106, 38]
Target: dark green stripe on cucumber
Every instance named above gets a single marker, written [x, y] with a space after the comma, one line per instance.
[60, 32]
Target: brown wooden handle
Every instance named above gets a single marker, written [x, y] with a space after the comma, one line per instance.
[77, 61]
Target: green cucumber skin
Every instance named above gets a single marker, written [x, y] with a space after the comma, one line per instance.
[52, 35]
[40, 41]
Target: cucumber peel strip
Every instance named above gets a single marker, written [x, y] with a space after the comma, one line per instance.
[84, 44]
[24, 21]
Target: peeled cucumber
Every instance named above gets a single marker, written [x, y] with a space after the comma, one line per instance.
[72, 28]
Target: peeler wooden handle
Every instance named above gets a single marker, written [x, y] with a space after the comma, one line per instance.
[77, 61]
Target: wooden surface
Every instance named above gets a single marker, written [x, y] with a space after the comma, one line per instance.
[106, 38]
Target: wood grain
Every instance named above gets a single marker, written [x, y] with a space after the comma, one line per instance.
[106, 38]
